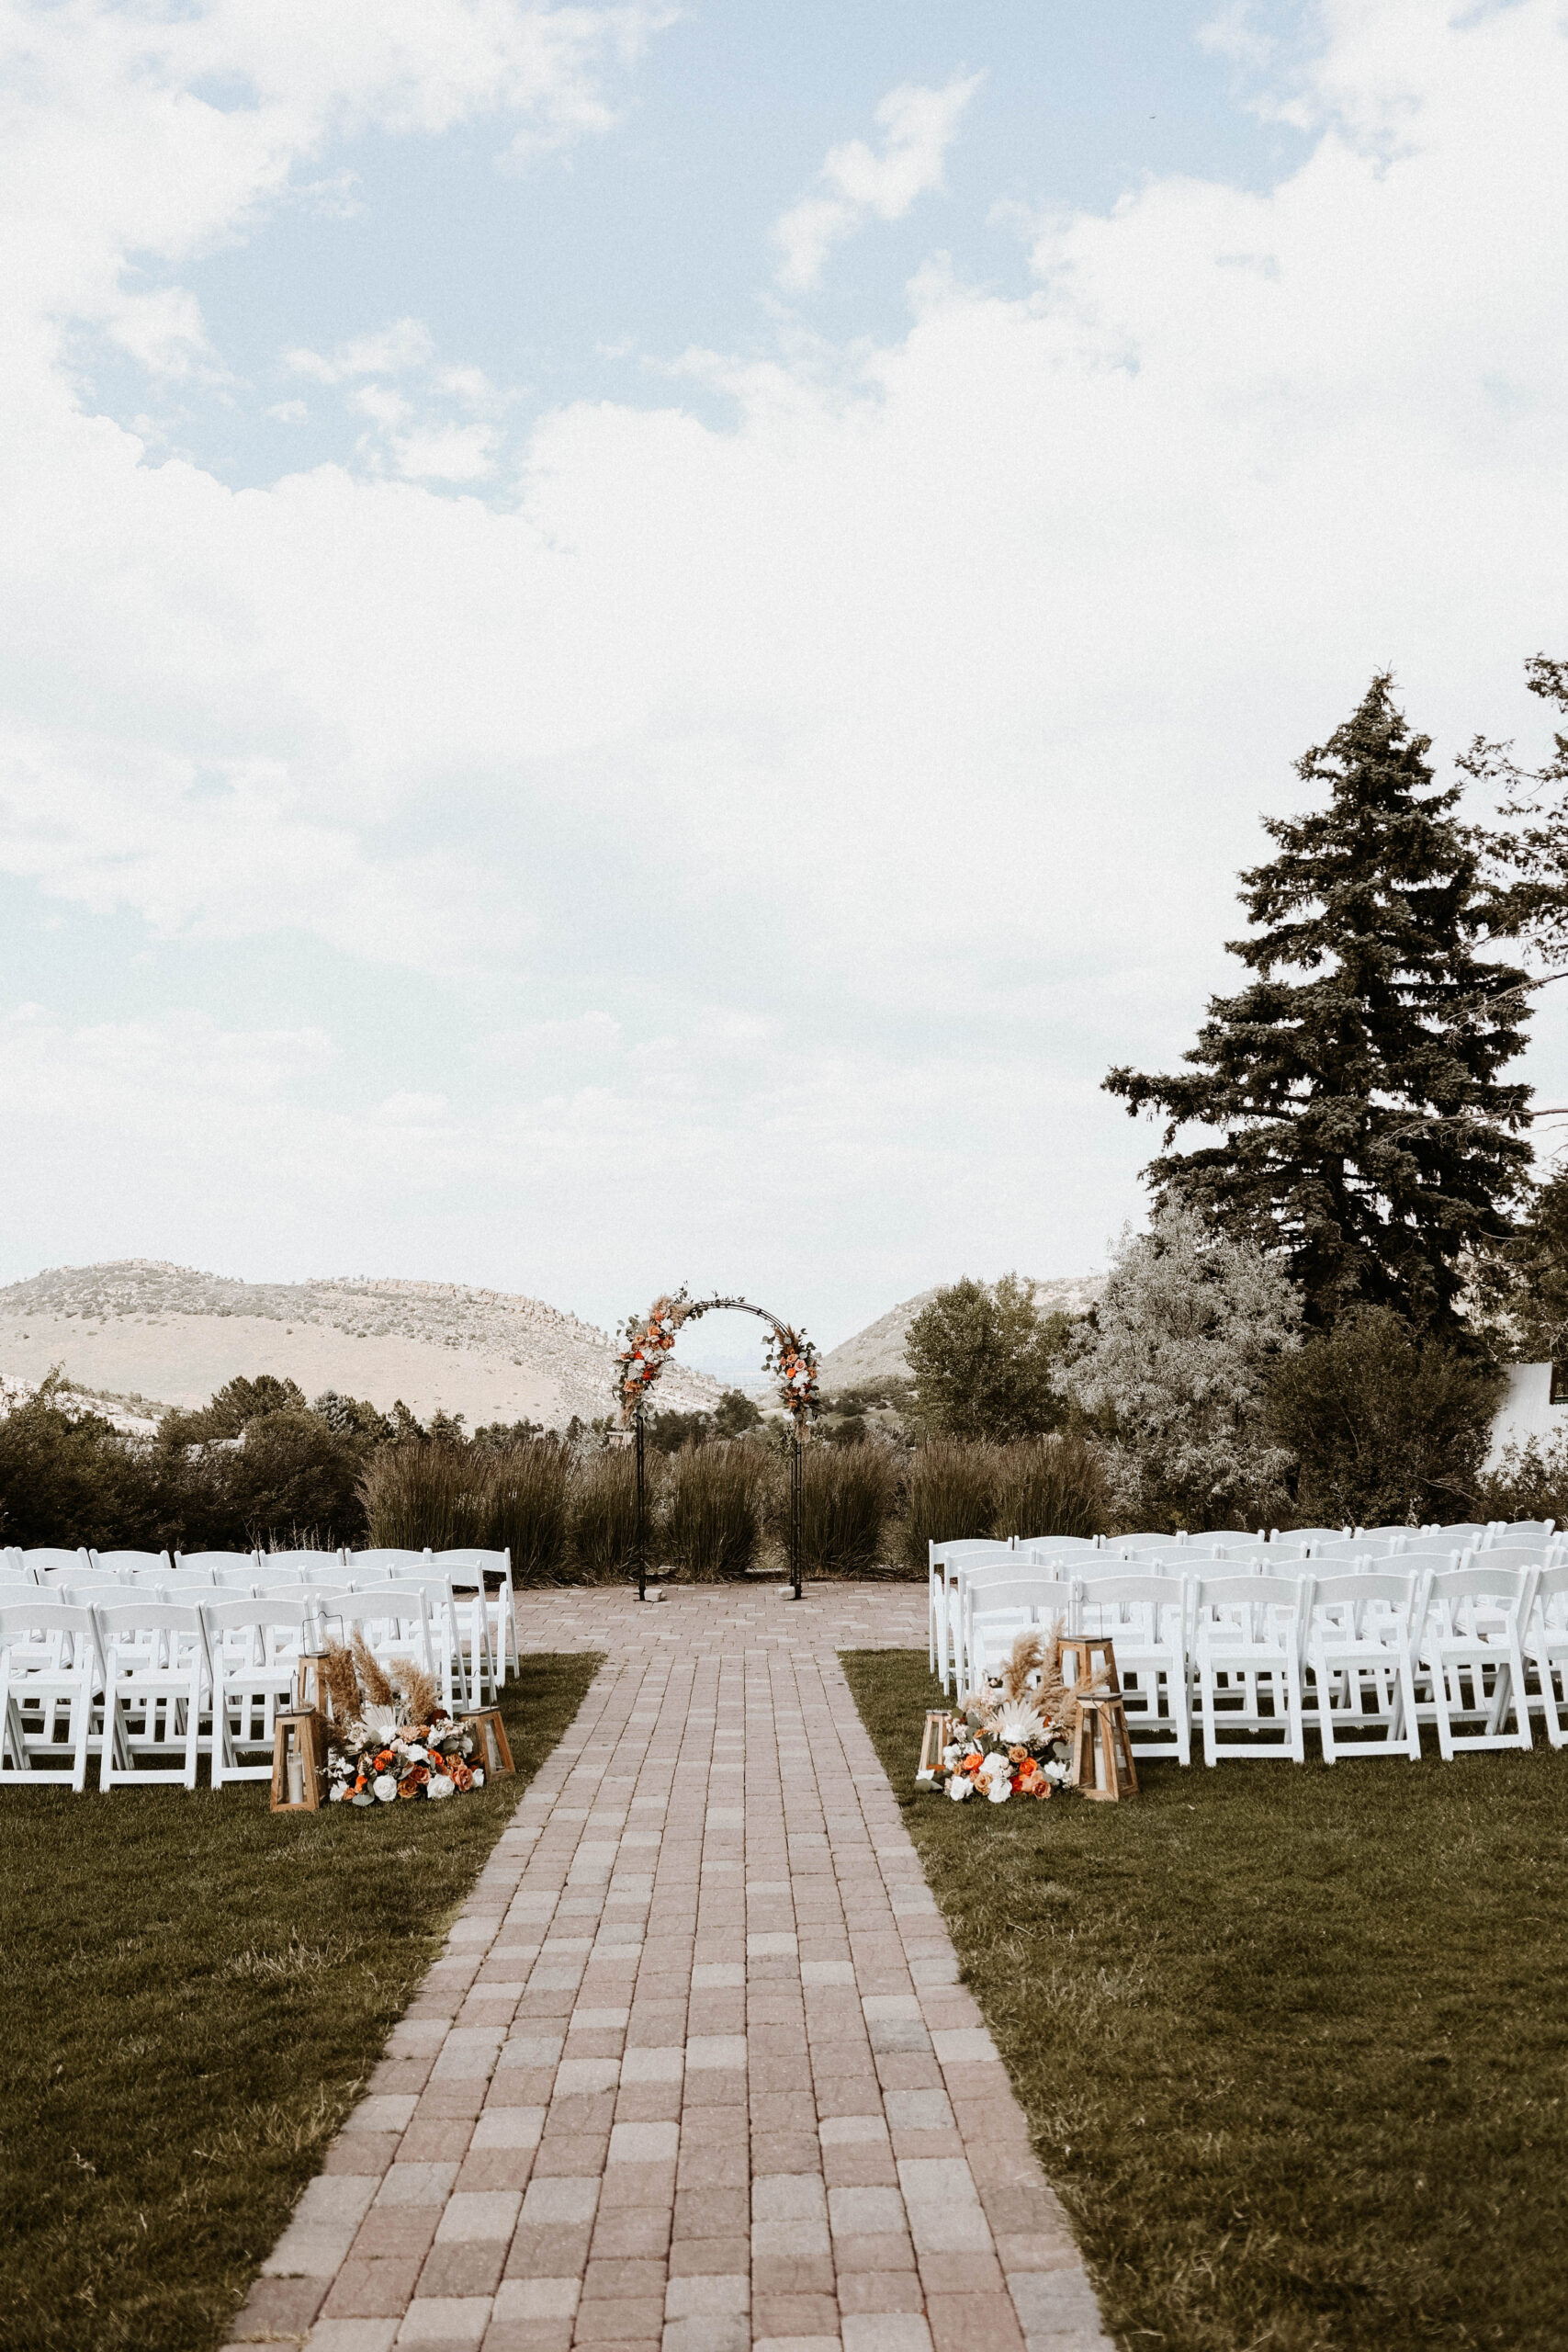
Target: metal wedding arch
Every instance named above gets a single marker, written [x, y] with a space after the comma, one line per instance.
[790, 1357]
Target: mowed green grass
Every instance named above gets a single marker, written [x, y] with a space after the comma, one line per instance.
[1292, 2042]
[196, 1989]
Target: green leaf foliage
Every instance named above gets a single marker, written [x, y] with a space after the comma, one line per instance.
[1366, 1133]
[984, 1358]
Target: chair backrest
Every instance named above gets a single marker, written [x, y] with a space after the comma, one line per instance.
[1230, 1596]
[1510, 1558]
[1149, 1538]
[1452, 1596]
[266, 1610]
[42, 1558]
[1108, 1564]
[1463, 1536]
[1077, 1546]
[947, 1556]
[1379, 1585]
[1229, 1535]
[1156, 1607]
[385, 1558]
[243, 1579]
[1044, 1601]
[1310, 1534]
[125, 1564]
[276, 1565]
[21, 1618]
[474, 1555]
[118, 1618]
[1245, 1547]
[1552, 1589]
[1525, 1531]
[214, 1564]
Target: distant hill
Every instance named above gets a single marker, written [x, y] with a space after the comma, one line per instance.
[878, 1352]
[164, 1335]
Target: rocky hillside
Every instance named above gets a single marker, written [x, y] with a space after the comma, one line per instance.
[878, 1352]
[167, 1335]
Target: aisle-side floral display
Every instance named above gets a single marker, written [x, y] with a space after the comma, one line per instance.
[1014, 1738]
[391, 1739]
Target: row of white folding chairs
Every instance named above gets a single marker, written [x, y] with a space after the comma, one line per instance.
[1371, 1649]
[133, 1678]
[950, 1564]
[454, 1635]
[472, 1570]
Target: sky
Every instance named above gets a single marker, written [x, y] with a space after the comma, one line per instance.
[638, 640]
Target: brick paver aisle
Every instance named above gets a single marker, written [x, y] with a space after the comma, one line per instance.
[696, 2073]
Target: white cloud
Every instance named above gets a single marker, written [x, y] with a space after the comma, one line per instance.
[391, 351]
[877, 767]
[919, 123]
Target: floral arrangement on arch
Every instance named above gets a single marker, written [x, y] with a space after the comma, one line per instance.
[648, 1340]
[390, 1738]
[1018, 1728]
[792, 1360]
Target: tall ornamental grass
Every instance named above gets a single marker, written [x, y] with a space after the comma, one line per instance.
[420, 1492]
[950, 1493]
[847, 1496]
[528, 1507]
[711, 1519]
[1051, 1485]
[604, 1517]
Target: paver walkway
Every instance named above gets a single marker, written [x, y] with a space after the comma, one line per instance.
[696, 2073]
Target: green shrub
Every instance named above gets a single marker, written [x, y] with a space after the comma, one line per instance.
[984, 1358]
[604, 1517]
[1384, 1426]
[711, 1519]
[1051, 1485]
[949, 1492]
[528, 1506]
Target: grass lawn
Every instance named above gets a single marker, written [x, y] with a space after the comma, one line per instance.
[1293, 2044]
[196, 1988]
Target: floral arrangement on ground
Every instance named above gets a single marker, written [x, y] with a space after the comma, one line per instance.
[1018, 1728]
[390, 1738]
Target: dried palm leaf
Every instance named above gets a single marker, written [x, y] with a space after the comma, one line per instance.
[378, 1690]
[419, 1691]
[1022, 1658]
[340, 1684]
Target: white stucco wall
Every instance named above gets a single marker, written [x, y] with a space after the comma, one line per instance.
[1527, 1409]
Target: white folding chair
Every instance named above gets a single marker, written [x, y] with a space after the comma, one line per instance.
[459, 1631]
[1546, 1649]
[1247, 1632]
[997, 1608]
[1470, 1636]
[155, 1664]
[383, 1560]
[493, 1570]
[1360, 1644]
[1146, 1618]
[242, 1580]
[395, 1618]
[131, 1563]
[1525, 1531]
[50, 1676]
[942, 1560]
[253, 1649]
[215, 1564]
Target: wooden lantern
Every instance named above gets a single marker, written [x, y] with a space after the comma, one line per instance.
[938, 1733]
[1085, 1656]
[311, 1693]
[1103, 1753]
[493, 1755]
[299, 1761]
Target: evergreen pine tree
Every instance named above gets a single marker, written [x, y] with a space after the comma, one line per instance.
[1367, 1134]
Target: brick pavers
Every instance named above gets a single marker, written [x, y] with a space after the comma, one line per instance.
[694, 2073]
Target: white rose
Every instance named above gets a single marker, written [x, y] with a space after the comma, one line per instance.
[439, 1785]
[478, 1776]
[950, 1755]
[1000, 1789]
[384, 1787]
[336, 1794]
[959, 1787]
[1058, 1771]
